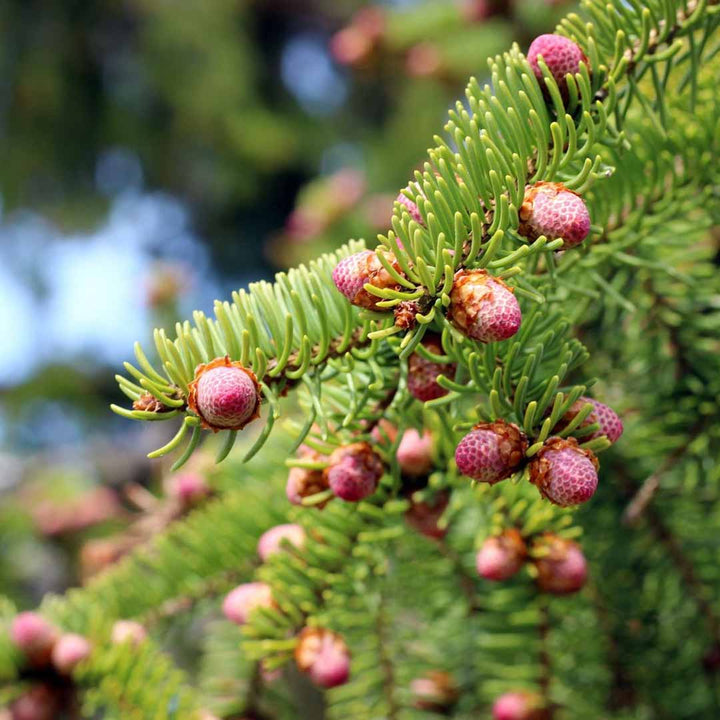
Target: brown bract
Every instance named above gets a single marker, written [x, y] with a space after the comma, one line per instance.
[149, 403]
[405, 314]
[513, 442]
[378, 277]
[216, 363]
[540, 467]
[512, 540]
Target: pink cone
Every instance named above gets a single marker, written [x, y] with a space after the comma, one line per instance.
[501, 556]
[355, 471]
[564, 473]
[324, 656]
[69, 651]
[224, 394]
[517, 706]
[562, 568]
[422, 373]
[272, 540]
[240, 602]
[414, 454]
[128, 631]
[483, 308]
[562, 56]
[34, 636]
[491, 452]
[550, 209]
[189, 488]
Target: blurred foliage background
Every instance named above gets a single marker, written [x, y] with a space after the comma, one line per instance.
[158, 154]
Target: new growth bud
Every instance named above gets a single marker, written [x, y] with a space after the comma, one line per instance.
[225, 395]
[324, 656]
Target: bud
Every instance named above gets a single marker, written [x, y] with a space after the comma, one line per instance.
[564, 473]
[324, 656]
[352, 273]
[354, 472]
[224, 394]
[40, 702]
[128, 631]
[519, 706]
[411, 205]
[609, 423]
[69, 651]
[423, 373]
[435, 691]
[371, 20]
[271, 541]
[423, 60]
[304, 482]
[188, 488]
[491, 452]
[550, 209]
[561, 566]
[384, 432]
[502, 556]
[351, 46]
[241, 601]
[34, 636]
[561, 55]
[414, 454]
[483, 307]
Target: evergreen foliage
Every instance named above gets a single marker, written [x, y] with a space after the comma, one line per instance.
[633, 313]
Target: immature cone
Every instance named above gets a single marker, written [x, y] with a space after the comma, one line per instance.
[224, 394]
[271, 541]
[324, 656]
[491, 452]
[371, 20]
[565, 473]
[245, 598]
[40, 702]
[351, 46]
[562, 56]
[188, 488]
[34, 636]
[304, 482]
[354, 472]
[384, 432]
[552, 210]
[518, 706]
[435, 691]
[502, 556]
[476, 10]
[355, 271]
[562, 568]
[424, 516]
[410, 205]
[414, 454]
[69, 651]
[422, 373]
[610, 424]
[128, 631]
[424, 60]
[483, 307]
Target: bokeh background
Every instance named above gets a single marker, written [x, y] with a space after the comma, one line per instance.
[158, 154]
